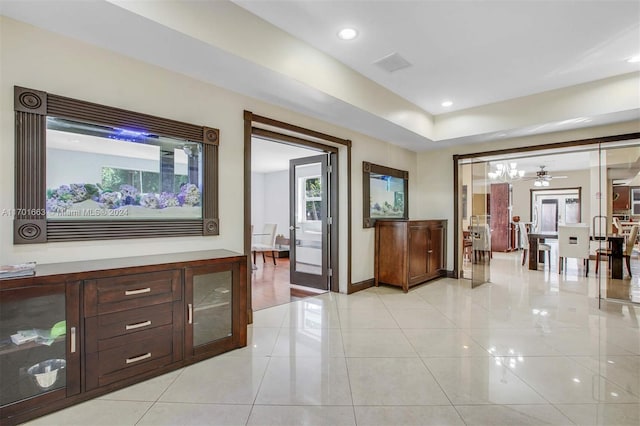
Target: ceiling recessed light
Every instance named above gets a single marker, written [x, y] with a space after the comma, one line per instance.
[634, 59]
[447, 104]
[347, 34]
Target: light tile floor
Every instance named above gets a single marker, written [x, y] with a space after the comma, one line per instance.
[529, 348]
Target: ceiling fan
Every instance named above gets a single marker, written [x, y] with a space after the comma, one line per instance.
[543, 177]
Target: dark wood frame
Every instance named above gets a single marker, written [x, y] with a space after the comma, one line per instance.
[367, 169]
[556, 145]
[279, 131]
[32, 107]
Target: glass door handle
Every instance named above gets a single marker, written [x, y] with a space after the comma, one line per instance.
[190, 313]
[291, 228]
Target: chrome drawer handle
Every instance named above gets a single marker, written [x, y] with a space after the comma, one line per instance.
[137, 325]
[138, 358]
[138, 291]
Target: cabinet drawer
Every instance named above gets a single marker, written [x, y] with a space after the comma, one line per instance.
[123, 323]
[137, 356]
[121, 293]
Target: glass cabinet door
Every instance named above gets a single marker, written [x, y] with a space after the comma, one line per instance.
[38, 347]
[210, 308]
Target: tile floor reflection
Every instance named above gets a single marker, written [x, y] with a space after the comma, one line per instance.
[529, 348]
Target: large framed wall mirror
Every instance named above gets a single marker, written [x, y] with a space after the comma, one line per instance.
[86, 171]
[385, 193]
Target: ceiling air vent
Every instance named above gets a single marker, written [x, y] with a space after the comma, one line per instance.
[392, 62]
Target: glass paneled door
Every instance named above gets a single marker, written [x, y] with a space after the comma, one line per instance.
[549, 216]
[480, 228]
[309, 248]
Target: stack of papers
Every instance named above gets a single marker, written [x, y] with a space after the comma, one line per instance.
[17, 270]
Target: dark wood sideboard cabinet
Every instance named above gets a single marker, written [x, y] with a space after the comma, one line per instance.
[409, 252]
[78, 330]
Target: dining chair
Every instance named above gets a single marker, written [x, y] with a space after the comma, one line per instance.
[628, 250]
[616, 223]
[573, 241]
[467, 245]
[524, 243]
[265, 241]
[481, 241]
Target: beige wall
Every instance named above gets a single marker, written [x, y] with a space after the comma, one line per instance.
[41, 60]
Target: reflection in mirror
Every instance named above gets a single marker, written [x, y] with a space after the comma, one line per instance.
[106, 173]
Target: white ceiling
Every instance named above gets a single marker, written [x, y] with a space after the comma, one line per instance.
[470, 52]
[268, 157]
[474, 53]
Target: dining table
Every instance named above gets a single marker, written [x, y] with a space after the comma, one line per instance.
[535, 238]
[614, 242]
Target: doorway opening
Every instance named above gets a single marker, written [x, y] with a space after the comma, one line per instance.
[571, 184]
[335, 246]
[551, 207]
[291, 219]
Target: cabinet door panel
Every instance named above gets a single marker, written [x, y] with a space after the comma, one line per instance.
[391, 264]
[436, 253]
[212, 296]
[47, 368]
[418, 246]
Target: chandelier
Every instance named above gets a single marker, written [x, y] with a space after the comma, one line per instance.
[506, 172]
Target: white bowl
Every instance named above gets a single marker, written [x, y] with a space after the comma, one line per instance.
[45, 373]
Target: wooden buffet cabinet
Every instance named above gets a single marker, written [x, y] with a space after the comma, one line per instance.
[119, 321]
[409, 252]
